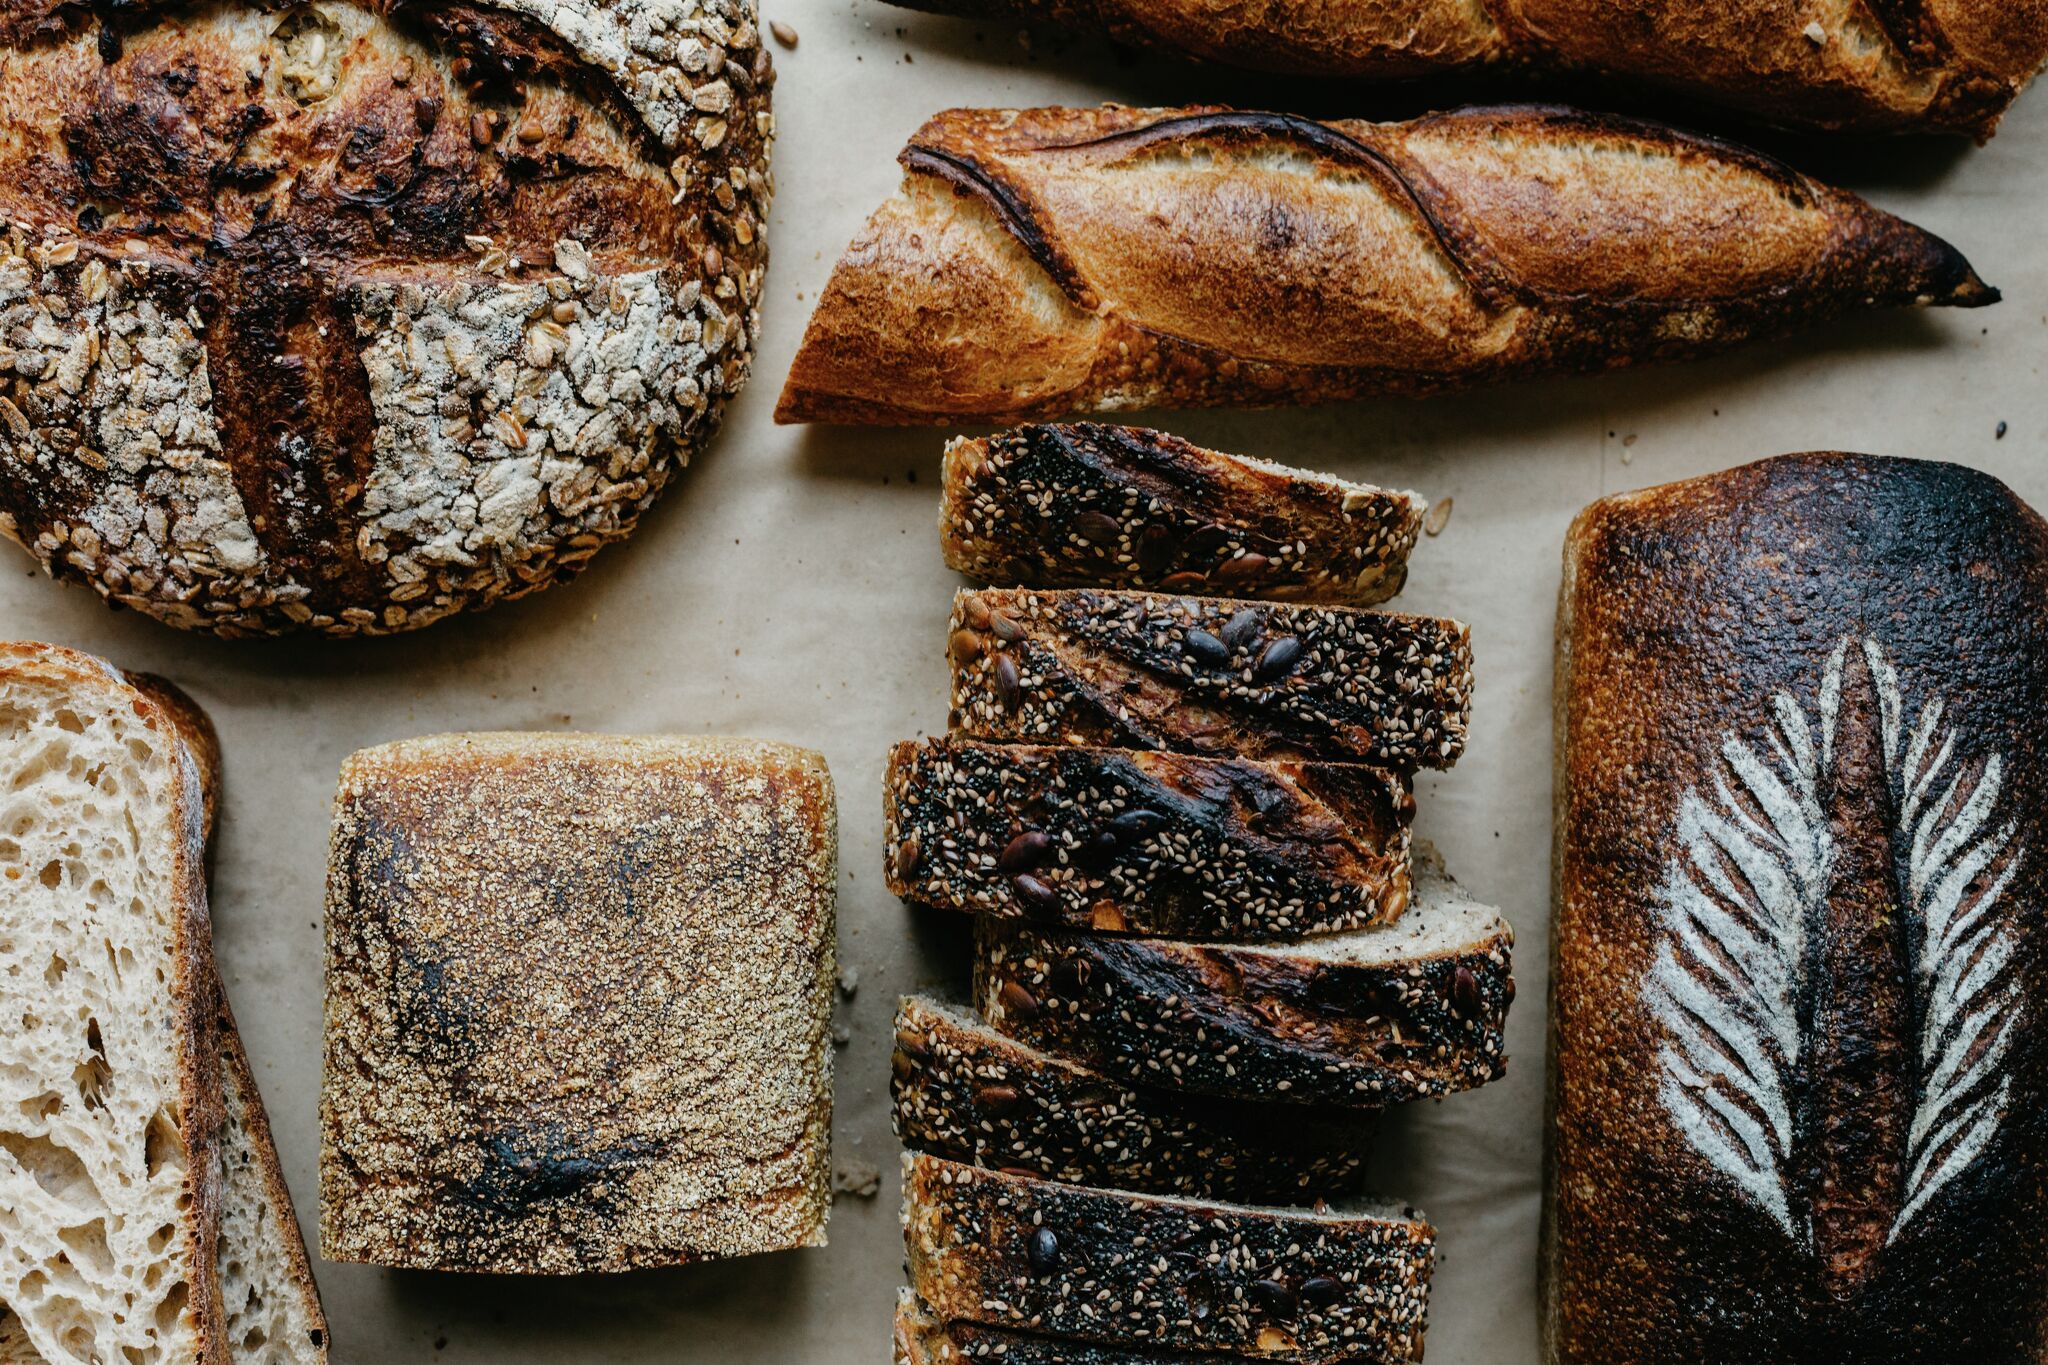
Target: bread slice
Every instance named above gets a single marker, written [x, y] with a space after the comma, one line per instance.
[1088, 505]
[579, 996]
[1368, 1018]
[1208, 675]
[1153, 843]
[966, 1092]
[1147, 1270]
[110, 1090]
[921, 1339]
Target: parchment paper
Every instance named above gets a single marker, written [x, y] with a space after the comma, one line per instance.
[791, 587]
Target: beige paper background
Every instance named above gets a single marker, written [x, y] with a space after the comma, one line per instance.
[791, 587]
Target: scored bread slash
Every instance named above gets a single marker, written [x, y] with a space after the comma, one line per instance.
[1090, 505]
[1369, 1018]
[1125, 840]
[1140, 670]
[1282, 1284]
[963, 1091]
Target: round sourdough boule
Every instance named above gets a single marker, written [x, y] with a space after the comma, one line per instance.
[345, 316]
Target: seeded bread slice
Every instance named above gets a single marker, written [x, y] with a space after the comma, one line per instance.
[922, 1339]
[1368, 1018]
[1148, 1270]
[966, 1092]
[1130, 840]
[1207, 675]
[1087, 505]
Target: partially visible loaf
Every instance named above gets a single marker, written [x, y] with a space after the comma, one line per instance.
[1109, 1266]
[579, 992]
[964, 1091]
[921, 1339]
[1210, 676]
[1088, 505]
[1145, 842]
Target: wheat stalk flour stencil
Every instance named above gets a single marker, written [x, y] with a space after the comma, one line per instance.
[1738, 905]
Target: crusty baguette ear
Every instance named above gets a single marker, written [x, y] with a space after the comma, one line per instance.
[1049, 261]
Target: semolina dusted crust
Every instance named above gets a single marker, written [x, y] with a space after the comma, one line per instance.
[579, 992]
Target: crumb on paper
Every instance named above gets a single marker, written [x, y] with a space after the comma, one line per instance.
[1439, 517]
[861, 1179]
[849, 980]
[782, 33]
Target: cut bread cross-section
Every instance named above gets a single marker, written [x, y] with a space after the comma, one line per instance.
[1146, 842]
[1207, 675]
[1088, 505]
[1368, 1018]
[966, 1092]
[110, 1092]
[1116, 1267]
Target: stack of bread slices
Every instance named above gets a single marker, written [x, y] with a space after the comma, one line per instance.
[1176, 796]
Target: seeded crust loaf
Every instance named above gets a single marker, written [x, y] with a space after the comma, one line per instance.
[921, 1339]
[1102, 260]
[579, 996]
[1797, 942]
[1210, 676]
[1948, 65]
[1088, 505]
[1151, 843]
[347, 317]
[1374, 1017]
[1149, 1270]
[965, 1092]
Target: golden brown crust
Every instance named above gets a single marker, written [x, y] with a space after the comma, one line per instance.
[1796, 935]
[1098, 259]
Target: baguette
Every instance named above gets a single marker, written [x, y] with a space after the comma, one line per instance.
[1366, 1019]
[1087, 505]
[1147, 1270]
[1050, 261]
[1166, 844]
[1950, 67]
[1209, 676]
[963, 1091]
[1798, 944]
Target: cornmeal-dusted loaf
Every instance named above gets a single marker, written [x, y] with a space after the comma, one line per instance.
[1799, 1106]
[345, 317]
[1152, 843]
[110, 1081]
[579, 995]
[1369, 1018]
[1100, 260]
[966, 1092]
[1949, 65]
[1210, 676]
[1147, 1270]
[1087, 505]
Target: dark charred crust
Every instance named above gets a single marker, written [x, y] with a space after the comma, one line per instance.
[965, 1092]
[922, 1340]
[968, 176]
[1014, 1251]
[1149, 843]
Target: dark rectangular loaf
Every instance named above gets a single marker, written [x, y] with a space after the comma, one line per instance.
[921, 1339]
[1145, 1270]
[1088, 505]
[1150, 843]
[966, 1092]
[1211, 676]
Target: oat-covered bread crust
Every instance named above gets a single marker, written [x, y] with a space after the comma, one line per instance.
[1150, 843]
[1798, 953]
[1087, 505]
[579, 996]
[963, 1091]
[1212, 676]
[1864, 66]
[1365, 1019]
[1100, 260]
[347, 316]
[1151, 1270]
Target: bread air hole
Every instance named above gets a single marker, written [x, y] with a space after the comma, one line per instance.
[309, 50]
[60, 1174]
[162, 1145]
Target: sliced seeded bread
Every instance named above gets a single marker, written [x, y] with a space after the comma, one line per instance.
[1146, 1270]
[1087, 505]
[1368, 1018]
[110, 1085]
[966, 1092]
[1210, 676]
[1153, 843]
[922, 1339]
